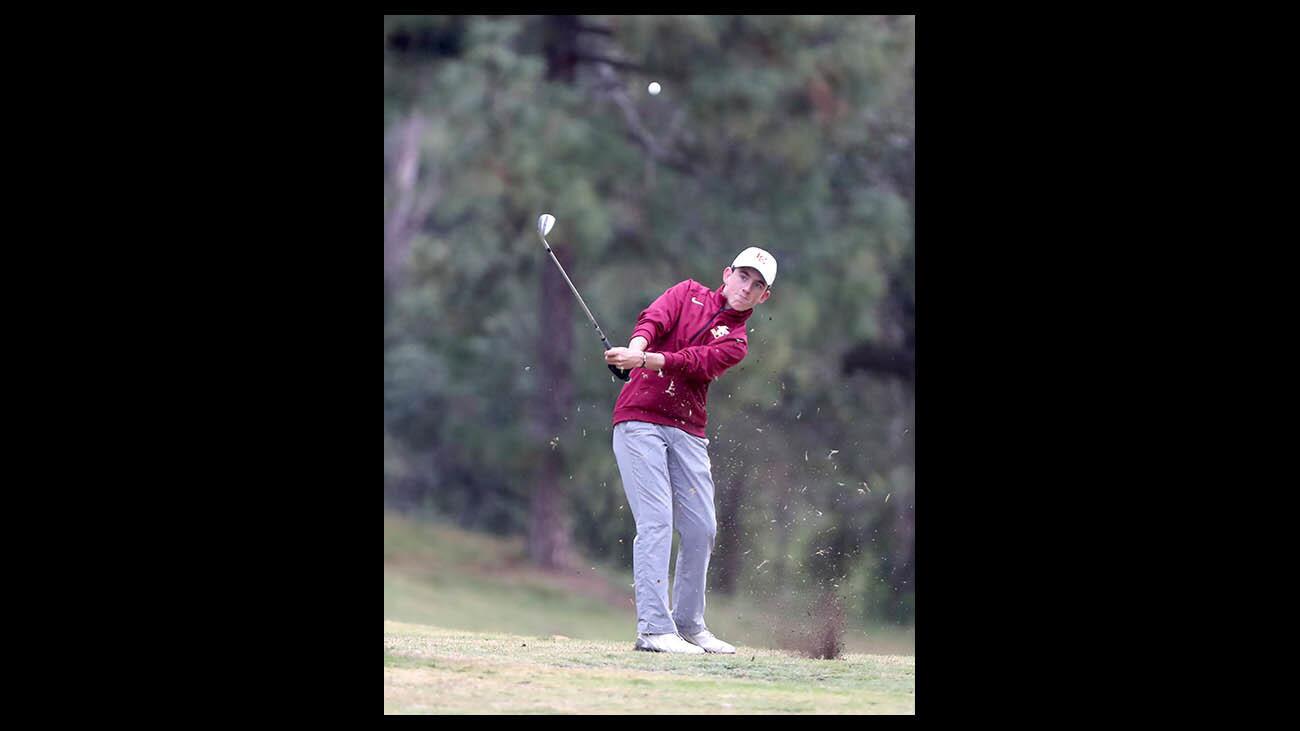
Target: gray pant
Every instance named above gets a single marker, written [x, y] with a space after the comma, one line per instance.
[668, 486]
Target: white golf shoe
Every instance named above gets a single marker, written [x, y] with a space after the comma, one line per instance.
[666, 643]
[706, 641]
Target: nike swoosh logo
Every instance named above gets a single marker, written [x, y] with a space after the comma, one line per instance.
[701, 304]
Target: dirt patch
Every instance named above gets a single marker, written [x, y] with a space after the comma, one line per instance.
[821, 636]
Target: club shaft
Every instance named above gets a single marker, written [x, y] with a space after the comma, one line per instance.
[585, 309]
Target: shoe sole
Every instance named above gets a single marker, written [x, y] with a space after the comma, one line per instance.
[707, 651]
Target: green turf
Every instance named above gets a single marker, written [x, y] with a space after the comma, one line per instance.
[439, 575]
[435, 670]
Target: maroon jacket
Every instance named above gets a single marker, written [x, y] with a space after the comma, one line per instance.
[700, 337]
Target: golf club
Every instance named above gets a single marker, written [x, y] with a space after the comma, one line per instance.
[544, 224]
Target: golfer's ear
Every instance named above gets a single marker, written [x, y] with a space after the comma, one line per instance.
[767, 293]
[725, 271]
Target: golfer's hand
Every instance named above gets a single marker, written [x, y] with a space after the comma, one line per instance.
[624, 358]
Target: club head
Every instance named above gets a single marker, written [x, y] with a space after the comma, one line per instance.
[544, 223]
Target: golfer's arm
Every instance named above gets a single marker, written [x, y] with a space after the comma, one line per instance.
[653, 361]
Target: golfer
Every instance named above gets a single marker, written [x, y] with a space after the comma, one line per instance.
[686, 338]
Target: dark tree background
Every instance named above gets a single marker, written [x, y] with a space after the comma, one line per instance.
[794, 133]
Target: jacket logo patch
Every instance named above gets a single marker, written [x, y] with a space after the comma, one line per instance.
[720, 330]
[701, 304]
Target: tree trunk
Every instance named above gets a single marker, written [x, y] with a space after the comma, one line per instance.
[560, 46]
[549, 542]
[548, 529]
[403, 218]
[727, 558]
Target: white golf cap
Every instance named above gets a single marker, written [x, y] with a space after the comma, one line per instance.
[759, 259]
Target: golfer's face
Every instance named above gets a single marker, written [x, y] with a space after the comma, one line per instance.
[744, 288]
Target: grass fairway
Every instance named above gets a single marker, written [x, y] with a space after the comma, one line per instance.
[439, 575]
[434, 670]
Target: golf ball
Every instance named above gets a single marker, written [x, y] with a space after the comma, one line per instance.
[654, 87]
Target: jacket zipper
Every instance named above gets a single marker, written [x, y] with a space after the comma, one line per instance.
[706, 326]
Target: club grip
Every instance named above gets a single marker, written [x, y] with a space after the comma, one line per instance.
[620, 374]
